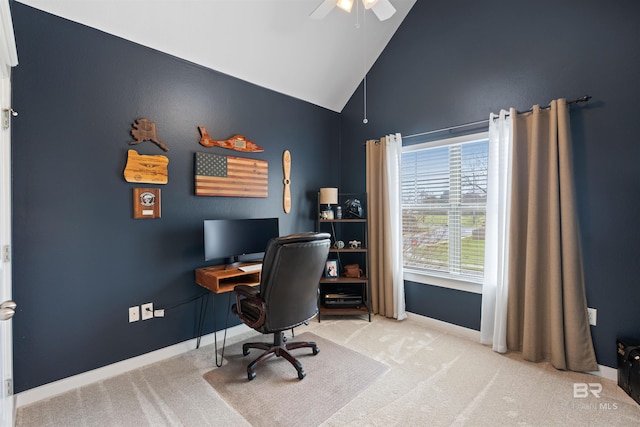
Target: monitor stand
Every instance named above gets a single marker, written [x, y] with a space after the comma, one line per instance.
[235, 262]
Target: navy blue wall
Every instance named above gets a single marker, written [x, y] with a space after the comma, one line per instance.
[79, 258]
[454, 62]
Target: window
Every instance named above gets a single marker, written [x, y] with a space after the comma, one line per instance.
[444, 195]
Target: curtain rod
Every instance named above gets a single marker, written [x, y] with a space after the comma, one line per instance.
[574, 101]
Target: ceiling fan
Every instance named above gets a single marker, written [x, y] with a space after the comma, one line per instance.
[382, 8]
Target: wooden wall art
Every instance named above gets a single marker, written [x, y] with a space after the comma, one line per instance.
[236, 142]
[286, 167]
[146, 203]
[145, 130]
[217, 175]
[146, 169]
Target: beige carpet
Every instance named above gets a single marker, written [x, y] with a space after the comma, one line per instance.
[435, 378]
[276, 396]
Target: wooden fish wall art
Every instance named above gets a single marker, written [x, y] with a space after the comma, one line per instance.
[145, 130]
[236, 142]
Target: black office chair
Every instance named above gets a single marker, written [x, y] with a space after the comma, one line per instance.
[287, 296]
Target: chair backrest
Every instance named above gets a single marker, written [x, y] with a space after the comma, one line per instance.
[291, 272]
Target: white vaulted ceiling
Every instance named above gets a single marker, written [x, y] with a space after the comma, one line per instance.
[270, 43]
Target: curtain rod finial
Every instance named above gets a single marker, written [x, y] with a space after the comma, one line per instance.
[581, 99]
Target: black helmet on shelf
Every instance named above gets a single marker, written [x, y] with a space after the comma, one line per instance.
[352, 208]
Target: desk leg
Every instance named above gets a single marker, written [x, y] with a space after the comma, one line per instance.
[215, 337]
[203, 312]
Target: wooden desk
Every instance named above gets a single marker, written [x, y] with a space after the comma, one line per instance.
[219, 280]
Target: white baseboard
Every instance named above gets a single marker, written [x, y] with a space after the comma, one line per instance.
[603, 371]
[468, 333]
[606, 372]
[47, 391]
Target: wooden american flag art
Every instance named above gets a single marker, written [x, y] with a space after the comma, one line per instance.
[230, 176]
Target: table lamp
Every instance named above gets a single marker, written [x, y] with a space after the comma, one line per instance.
[328, 197]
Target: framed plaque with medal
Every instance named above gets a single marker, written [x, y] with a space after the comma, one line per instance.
[146, 203]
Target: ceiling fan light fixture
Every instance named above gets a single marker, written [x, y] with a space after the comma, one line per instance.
[345, 5]
[368, 4]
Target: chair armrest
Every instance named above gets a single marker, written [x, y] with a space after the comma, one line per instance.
[246, 290]
[248, 297]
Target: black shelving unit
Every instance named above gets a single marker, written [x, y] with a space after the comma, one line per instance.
[346, 296]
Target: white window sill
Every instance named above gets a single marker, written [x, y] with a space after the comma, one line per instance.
[444, 282]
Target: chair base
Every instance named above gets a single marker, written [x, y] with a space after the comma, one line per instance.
[278, 348]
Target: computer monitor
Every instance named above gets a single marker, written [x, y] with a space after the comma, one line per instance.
[230, 239]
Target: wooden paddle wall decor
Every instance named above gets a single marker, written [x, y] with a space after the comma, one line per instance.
[286, 168]
[230, 176]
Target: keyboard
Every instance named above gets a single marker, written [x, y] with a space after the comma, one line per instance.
[250, 268]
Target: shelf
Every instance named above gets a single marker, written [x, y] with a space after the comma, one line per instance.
[345, 250]
[347, 228]
[220, 279]
[343, 279]
[343, 220]
[343, 311]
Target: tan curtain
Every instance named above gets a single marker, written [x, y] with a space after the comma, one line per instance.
[385, 230]
[547, 310]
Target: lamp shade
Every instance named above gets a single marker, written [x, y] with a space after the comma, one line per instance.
[328, 196]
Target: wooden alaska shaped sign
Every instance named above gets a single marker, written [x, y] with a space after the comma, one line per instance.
[145, 130]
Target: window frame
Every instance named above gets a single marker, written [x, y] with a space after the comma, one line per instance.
[467, 284]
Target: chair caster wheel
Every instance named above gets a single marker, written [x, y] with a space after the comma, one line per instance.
[301, 374]
[316, 350]
[252, 375]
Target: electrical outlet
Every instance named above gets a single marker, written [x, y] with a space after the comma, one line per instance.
[147, 311]
[593, 315]
[134, 314]
[159, 312]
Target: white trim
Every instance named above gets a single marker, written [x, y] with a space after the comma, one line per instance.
[474, 137]
[7, 400]
[61, 386]
[606, 372]
[444, 282]
[603, 371]
[450, 328]
[8, 52]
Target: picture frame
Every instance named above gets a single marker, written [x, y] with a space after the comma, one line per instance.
[331, 269]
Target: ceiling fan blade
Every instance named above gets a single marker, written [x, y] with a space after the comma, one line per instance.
[383, 9]
[323, 10]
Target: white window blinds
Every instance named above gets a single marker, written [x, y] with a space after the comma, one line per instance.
[444, 193]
